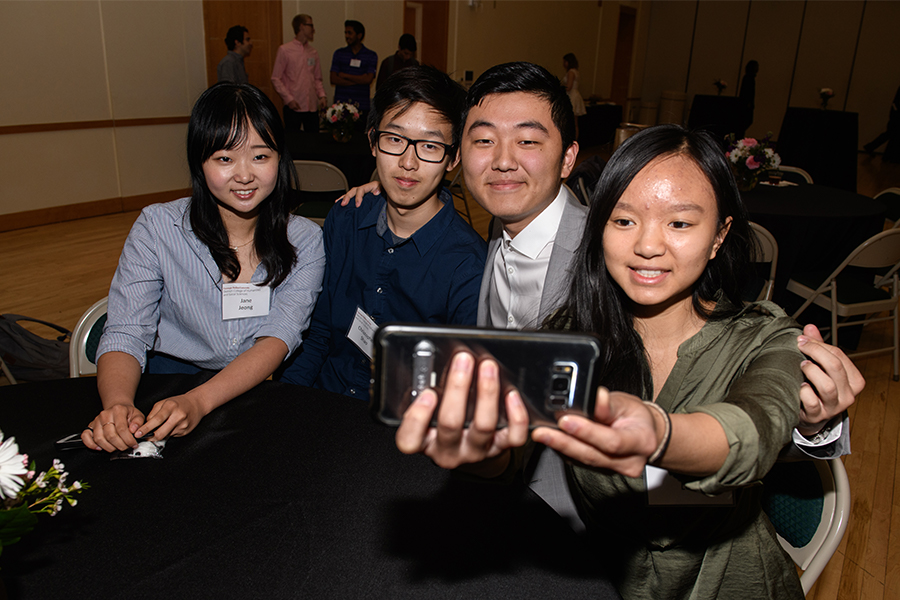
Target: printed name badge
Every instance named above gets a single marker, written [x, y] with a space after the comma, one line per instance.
[310, 62]
[362, 330]
[355, 62]
[665, 490]
[242, 300]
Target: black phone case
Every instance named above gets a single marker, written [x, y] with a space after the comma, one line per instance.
[554, 372]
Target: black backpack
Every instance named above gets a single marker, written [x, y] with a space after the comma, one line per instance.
[29, 356]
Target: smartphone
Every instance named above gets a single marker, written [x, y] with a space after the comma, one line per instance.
[555, 372]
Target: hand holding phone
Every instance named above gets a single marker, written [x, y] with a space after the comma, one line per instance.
[453, 442]
[552, 372]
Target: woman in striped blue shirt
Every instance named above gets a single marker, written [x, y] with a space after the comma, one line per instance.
[225, 280]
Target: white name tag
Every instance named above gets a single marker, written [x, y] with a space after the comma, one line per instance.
[362, 330]
[242, 300]
[355, 62]
[311, 62]
[665, 490]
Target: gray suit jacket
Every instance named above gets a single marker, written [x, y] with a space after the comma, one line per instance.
[556, 283]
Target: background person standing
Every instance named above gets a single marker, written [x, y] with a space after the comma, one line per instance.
[297, 77]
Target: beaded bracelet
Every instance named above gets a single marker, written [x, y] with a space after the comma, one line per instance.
[667, 435]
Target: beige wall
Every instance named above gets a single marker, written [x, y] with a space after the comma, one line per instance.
[95, 60]
[73, 61]
[801, 47]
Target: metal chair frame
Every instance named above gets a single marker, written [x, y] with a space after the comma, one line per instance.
[79, 362]
[769, 249]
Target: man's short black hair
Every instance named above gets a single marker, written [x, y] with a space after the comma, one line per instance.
[358, 27]
[235, 35]
[424, 84]
[532, 79]
[408, 42]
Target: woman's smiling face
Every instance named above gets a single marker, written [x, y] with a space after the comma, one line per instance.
[242, 177]
[662, 232]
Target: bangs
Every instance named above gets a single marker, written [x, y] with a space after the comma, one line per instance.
[228, 129]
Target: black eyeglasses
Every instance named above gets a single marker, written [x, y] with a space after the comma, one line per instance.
[427, 150]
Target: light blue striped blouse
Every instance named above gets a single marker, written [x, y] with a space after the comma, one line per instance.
[167, 293]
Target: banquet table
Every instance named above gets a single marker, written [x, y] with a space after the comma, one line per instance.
[353, 158]
[284, 492]
[824, 143]
[816, 227]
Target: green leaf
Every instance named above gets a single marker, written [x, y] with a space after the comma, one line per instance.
[14, 523]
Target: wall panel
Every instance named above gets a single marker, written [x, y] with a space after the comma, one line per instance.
[717, 47]
[152, 159]
[772, 34]
[53, 65]
[876, 72]
[56, 168]
[825, 56]
[668, 48]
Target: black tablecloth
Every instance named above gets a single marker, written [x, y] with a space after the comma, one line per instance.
[720, 115]
[283, 492]
[598, 126]
[816, 227]
[353, 158]
[824, 143]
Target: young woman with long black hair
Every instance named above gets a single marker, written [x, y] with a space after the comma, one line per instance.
[224, 280]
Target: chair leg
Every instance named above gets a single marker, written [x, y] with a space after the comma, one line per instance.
[7, 372]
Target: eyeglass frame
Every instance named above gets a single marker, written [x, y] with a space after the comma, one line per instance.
[376, 138]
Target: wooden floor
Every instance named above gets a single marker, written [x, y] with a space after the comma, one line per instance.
[56, 272]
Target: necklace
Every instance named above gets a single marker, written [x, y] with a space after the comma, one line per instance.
[242, 245]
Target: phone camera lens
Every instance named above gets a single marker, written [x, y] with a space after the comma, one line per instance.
[560, 384]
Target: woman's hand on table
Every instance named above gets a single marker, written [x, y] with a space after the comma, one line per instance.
[623, 435]
[358, 193]
[451, 444]
[114, 428]
[173, 417]
[833, 382]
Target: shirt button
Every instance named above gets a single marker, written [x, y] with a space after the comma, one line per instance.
[510, 319]
[235, 342]
[390, 250]
[509, 270]
[353, 391]
[378, 291]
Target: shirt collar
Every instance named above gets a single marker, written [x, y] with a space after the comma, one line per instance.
[541, 231]
[425, 237]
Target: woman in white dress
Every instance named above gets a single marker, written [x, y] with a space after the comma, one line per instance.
[570, 64]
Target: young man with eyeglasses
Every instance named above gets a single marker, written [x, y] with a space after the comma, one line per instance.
[404, 255]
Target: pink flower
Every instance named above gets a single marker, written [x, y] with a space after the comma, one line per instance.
[334, 118]
[749, 142]
[752, 163]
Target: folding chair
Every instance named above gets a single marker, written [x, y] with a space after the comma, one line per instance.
[808, 503]
[855, 287]
[320, 183]
[85, 339]
[768, 255]
[891, 198]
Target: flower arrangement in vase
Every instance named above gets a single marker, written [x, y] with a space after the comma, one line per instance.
[25, 493]
[340, 119]
[750, 158]
[826, 94]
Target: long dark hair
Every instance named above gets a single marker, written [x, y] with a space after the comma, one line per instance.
[596, 303]
[221, 119]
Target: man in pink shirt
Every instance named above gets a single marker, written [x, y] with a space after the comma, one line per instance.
[297, 77]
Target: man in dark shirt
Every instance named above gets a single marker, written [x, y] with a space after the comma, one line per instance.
[402, 58]
[231, 68]
[353, 69]
[404, 255]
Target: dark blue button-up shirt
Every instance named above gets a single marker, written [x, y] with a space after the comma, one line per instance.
[431, 277]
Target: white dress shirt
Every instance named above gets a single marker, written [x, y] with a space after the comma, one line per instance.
[520, 267]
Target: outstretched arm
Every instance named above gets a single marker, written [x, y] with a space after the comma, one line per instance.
[358, 193]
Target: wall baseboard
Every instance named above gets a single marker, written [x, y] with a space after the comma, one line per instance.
[83, 210]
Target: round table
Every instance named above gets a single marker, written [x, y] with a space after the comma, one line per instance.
[284, 492]
[816, 226]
